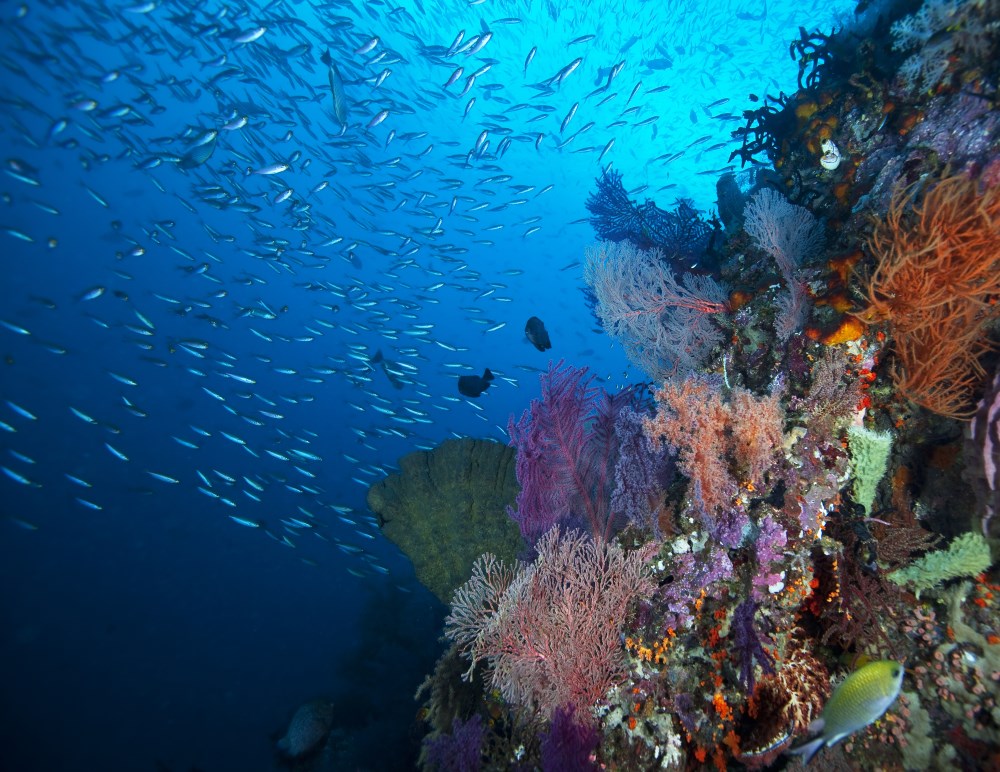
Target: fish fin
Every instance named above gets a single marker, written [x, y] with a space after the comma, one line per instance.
[808, 750]
[377, 357]
[487, 375]
[326, 58]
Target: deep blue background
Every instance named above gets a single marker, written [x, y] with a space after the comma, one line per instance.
[157, 629]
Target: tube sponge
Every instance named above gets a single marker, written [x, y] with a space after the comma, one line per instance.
[869, 458]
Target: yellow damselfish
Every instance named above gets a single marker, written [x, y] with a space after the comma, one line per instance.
[860, 700]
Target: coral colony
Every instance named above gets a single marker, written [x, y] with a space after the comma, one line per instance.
[811, 482]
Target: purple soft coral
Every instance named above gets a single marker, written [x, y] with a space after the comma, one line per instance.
[642, 473]
[748, 644]
[769, 548]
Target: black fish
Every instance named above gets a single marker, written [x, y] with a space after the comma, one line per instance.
[473, 385]
[602, 73]
[537, 334]
[378, 359]
[659, 64]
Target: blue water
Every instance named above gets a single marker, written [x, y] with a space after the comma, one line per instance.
[148, 622]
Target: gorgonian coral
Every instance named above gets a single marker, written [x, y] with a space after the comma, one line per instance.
[567, 454]
[663, 322]
[549, 631]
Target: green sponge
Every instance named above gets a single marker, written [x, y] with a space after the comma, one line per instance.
[968, 555]
[869, 458]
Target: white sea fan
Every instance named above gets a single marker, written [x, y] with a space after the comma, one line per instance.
[917, 29]
[660, 321]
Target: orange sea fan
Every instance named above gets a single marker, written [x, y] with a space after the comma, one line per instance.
[937, 282]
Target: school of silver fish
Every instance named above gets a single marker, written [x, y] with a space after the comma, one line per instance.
[267, 185]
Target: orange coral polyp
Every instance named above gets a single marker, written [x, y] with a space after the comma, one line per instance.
[722, 707]
[849, 329]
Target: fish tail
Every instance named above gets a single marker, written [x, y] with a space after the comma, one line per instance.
[808, 750]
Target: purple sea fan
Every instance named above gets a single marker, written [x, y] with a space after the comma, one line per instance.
[460, 751]
[569, 745]
[566, 455]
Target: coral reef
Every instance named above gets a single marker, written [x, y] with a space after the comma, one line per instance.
[799, 500]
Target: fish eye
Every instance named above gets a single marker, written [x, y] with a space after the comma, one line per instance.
[895, 672]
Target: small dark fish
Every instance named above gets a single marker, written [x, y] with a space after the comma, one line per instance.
[631, 42]
[602, 74]
[659, 64]
[474, 385]
[746, 16]
[537, 334]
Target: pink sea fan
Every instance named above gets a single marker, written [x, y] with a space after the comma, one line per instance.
[661, 321]
[549, 631]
